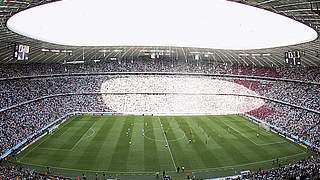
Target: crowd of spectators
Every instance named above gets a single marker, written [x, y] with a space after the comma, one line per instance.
[11, 172]
[140, 65]
[296, 121]
[305, 95]
[18, 91]
[18, 123]
[164, 65]
[13, 92]
[312, 135]
[303, 74]
[304, 169]
[196, 95]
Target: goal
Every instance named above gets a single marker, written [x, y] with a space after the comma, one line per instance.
[266, 127]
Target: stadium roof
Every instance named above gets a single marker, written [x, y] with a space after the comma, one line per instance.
[303, 11]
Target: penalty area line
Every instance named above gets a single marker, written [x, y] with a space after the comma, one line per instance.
[257, 144]
[33, 148]
[47, 137]
[83, 137]
[241, 134]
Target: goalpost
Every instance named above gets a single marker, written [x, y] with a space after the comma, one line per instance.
[53, 129]
[266, 127]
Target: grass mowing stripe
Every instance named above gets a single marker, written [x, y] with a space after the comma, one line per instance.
[219, 140]
[83, 136]
[203, 153]
[74, 134]
[26, 154]
[56, 136]
[255, 127]
[102, 141]
[109, 136]
[264, 139]
[164, 158]
[151, 156]
[178, 142]
[257, 153]
[245, 164]
[266, 150]
[243, 135]
[185, 149]
[235, 145]
[136, 152]
[99, 152]
[121, 150]
[82, 153]
[194, 170]
[261, 130]
[165, 137]
[58, 133]
[57, 158]
[88, 150]
[196, 149]
[40, 155]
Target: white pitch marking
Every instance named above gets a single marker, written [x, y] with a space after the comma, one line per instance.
[55, 149]
[42, 142]
[83, 137]
[174, 164]
[195, 170]
[33, 149]
[252, 140]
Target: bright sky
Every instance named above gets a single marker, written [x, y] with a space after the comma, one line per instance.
[217, 24]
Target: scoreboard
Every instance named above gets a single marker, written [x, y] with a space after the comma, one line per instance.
[293, 57]
[21, 52]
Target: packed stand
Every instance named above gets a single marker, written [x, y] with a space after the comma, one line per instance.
[19, 123]
[293, 120]
[196, 95]
[9, 173]
[304, 169]
[18, 91]
[140, 65]
[15, 92]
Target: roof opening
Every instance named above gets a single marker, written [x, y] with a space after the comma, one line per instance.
[217, 24]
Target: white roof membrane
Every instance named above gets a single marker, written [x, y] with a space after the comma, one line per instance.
[217, 24]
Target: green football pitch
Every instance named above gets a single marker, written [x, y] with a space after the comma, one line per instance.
[142, 145]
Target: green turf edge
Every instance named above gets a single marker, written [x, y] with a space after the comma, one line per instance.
[214, 172]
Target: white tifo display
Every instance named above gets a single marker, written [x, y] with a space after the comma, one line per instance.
[194, 95]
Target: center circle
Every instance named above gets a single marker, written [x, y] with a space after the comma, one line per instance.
[181, 134]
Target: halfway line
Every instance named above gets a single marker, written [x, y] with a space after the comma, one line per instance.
[165, 137]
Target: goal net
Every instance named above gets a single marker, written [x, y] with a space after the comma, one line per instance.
[266, 127]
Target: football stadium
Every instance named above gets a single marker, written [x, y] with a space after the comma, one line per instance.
[168, 90]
